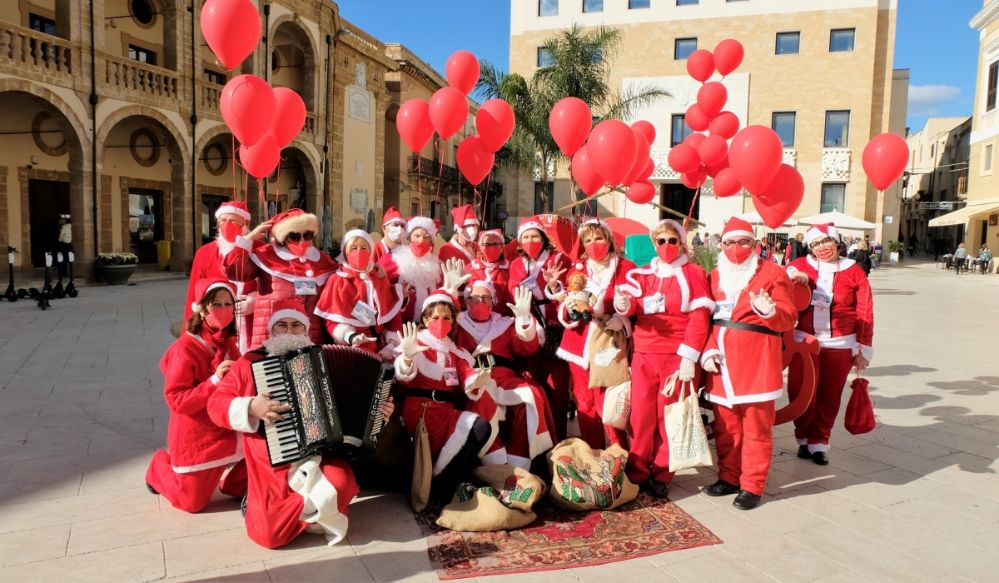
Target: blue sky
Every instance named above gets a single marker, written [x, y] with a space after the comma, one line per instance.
[932, 39]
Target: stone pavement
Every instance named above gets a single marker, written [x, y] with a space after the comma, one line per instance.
[81, 410]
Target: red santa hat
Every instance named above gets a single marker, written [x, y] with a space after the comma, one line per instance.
[203, 286]
[736, 228]
[528, 225]
[347, 237]
[439, 295]
[481, 283]
[233, 207]
[293, 221]
[464, 216]
[483, 235]
[392, 215]
[421, 223]
[673, 225]
[288, 308]
[820, 232]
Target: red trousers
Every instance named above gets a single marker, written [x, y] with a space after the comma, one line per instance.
[649, 454]
[832, 367]
[744, 439]
[589, 409]
[191, 491]
[553, 376]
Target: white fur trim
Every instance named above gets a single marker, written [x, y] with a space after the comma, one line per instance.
[484, 332]
[454, 441]
[528, 226]
[689, 353]
[214, 463]
[402, 372]
[320, 499]
[737, 234]
[469, 255]
[319, 279]
[228, 209]
[704, 302]
[814, 234]
[244, 243]
[866, 351]
[343, 332]
[421, 223]
[282, 251]
[351, 234]
[296, 224]
[517, 461]
[239, 415]
[498, 456]
[814, 447]
[434, 298]
[288, 313]
[709, 354]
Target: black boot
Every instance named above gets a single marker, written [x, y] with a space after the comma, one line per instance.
[821, 458]
[151, 489]
[803, 452]
[720, 488]
[746, 500]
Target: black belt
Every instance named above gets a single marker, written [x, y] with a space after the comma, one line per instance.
[748, 327]
[490, 360]
[435, 395]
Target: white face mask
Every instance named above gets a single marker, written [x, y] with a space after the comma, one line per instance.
[470, 233]
[394, 233]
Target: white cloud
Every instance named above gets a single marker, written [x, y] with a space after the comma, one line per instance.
[924, 99]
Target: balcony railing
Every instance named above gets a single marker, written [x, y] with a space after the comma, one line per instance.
[836, 164]
[790, 157]
[210, 94]
[428, 168]
[139, 78]
[32, 51]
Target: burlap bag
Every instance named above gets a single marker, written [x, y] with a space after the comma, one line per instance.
[517, 487]
[423, 468]
[482, 510]
[608, 358]
[589, 479]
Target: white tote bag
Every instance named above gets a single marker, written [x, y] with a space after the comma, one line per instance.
[617, 405]
[688, 444]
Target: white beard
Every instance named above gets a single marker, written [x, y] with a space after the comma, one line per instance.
[419, 272]
[733, 278]
[282, 343]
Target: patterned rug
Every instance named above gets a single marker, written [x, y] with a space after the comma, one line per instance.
[563, 539]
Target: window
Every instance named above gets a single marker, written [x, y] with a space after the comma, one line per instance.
[987, 163]
[990, 99]
[142, 11]
[41, 24]
[593, 5]
[837, 129]
[841, 40]
[833, 198]
[142, 55]
[682, 48]
[679, 130]
[783, 124]
[788, 43]
[214, 77]
[632, 4]
[547, 7]
[686, 2]
[539, 206]
[545, 58]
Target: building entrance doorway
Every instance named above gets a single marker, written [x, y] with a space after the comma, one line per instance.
[145, 222]
[47, 199]
[209, 204]
[678, 197]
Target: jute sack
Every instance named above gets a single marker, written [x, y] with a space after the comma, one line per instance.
[517, 487]
[589, 479]
[423, 468]
[481, 510]
[608, 358]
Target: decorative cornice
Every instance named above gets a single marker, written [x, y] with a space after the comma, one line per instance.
[986, 16]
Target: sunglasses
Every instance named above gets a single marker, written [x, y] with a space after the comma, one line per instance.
[492, 244]
[296, 237]
[663, 241]
[741, 242]
[829, 241]
[480, 299]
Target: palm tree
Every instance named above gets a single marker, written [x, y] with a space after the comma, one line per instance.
[580, 67]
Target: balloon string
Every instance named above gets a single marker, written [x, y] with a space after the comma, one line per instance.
[419, 183]
[690, 213]
[235, 183]
[277, 187]
[440, 173]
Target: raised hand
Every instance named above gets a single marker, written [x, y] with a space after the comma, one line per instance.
[521, 306]
[359, 339]
[257, 233]
[223, 368]
[621, 301]
[454, 275]
[410, 346]
[553, 275]
[762, 302]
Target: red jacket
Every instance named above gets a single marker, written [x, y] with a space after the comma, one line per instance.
[841, 313]
[208, 264]
[412, 296]
[529, 274]
[343, 293]
[497, 274]
[452, 250]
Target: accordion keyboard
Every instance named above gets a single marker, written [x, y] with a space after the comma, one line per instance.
[283, 441]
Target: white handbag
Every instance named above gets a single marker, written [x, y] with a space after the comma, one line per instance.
[617, 405]
[688, 443]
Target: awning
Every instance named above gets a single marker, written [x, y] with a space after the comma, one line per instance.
[961, 217]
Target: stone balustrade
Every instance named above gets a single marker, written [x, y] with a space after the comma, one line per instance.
[31, 51]
[135, 78]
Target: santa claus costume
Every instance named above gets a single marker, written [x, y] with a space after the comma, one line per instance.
[753, 309]
[495, 341]
[233, 219]
[360, 308]
[462, 244]
[528, 271]
[671, 304]
[289, 267]
[841, 317]
[415, 266]
[198, 451]
[311, 494]
[491, 265]
[605, 270]
[393, 232]
[440, 385]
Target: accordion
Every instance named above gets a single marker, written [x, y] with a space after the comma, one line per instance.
[335, 394]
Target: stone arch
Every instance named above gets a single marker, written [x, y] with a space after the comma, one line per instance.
[288, 24]
[312, 185]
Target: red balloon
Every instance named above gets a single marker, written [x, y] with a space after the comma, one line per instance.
[782, 197]
[583, 173]
[701, 65]
[474, 159]
[728, 56]
[289, 115]
[683, 159]
[448, 110]
[711, 97]
[724, 125]
[612, 147]
[884, 160]
[712, 150]
[646, 129]
[694, 180]
[570, 122]
[650, 167]
[755, 156]
[726, 184]
[231, 28]
[462, 71]
[641, 192]
[261, 158]
[495, 122]
[413, 123]
[641, 158]
[717, 167]
[247, 105]
[694, 140]
[696, 118]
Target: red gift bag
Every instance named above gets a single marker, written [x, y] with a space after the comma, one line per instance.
[859, 411]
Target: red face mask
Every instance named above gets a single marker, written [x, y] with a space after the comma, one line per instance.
[480, 312]
[492, 254]
[532, 248]
[359, 259]
[230, 231]
[421, 248]
[597, 250]
[299, 248]
[668, 253]
[738, 253]
[440, 328]
[219, 318]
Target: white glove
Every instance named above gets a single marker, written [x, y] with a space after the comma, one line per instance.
[621, 301]
[484, 377]
[711, 364]
[614, 324]
[454, 275]
[359, 339]
[521, 306]
[763, 304]
[687, 368]
[410, 346]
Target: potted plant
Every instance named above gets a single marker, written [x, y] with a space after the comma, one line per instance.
[705, 257]
[894, 251]
[115, 268]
